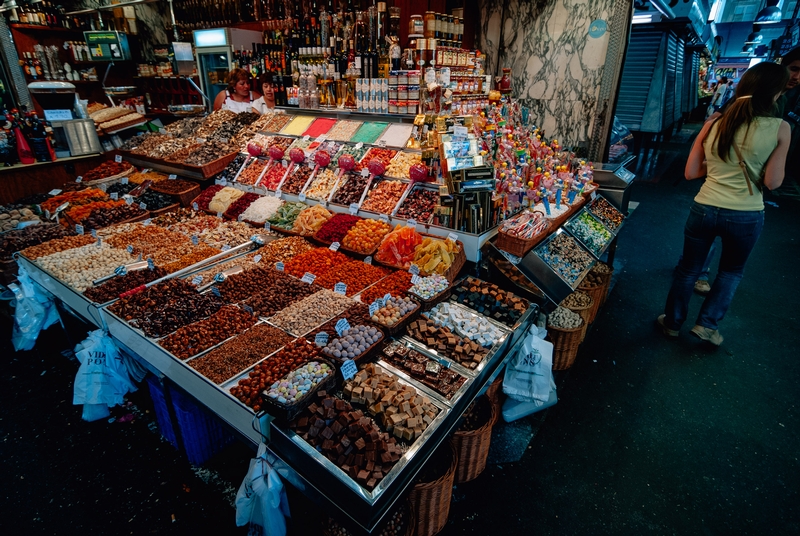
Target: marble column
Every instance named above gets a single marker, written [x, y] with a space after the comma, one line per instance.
[557, 66]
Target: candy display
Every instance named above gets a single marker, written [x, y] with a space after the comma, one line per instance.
[317, 262]
[465, 323]
[286, 215]
[298, 383]
[228, 233]
[394, 311]
[395, 284]
[310, 220]
[369, 132]
[273, 177]
[423, 369]
[344, 130]
[435, 256]
[446, 343]
[262, 209]
[399, 408]
[526, 225]
[365, 236]
[565, 256]
[350, 190]
[396, 135]
[208, 194]
[353, 342]
[590, 232]
[277, 122]
[351, 441]
[190, 340]
[294, 354]
[78, 267]
[297, 179]
[352, 149]
[298, 125]
[606, 213]
[355, 274]
[322, 185]
[400, 164]
[336, 228]
[429, 287]
[302, 316]
[398, 247]
[238, 207]
[490, 300]
[384, 156]
[223, 199]
[319, 127]
[250, 174]
[196, 225]
[383, 198]
[419, 205]
[231, 358]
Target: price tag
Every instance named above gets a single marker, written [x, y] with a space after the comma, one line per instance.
[334, 246]
[414, 269]
[143, 206]
[195, 207]
[150, 264]
[382, 144]
[248, 309]
[195, 240]
[267, 226]
[79, 229]
[94, 233]
[99, 242]
[221, 182]
[452, 237]
[384, 218]
[172, 177]
[342, 325]
[349, 369]
[279, 266]
[256, 259]
[147, 222]
[368, 259]
[340, 288]
[196, 280]
[47, 214]
[306, 137]
[240, 217]
[118, 159]
[128, 200]
[219, 214]
[416, 280]
[354, 208]
[54, 192]
[216, 292]
[226, 247]
[302, 198]
[285, 163]
[79, 179]
[364, 172]
[411, 223]
[359, 145]
[278, 193]
[129, 249]
[322, 137]
[460, 132]
[373, 307]
[114, 196]
[386, 298]
[321, 339]
[593, 195]
[147, 170]
[308, 277]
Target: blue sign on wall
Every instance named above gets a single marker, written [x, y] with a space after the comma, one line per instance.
[597, 28]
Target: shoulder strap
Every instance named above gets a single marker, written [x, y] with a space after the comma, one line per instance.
[743, 165]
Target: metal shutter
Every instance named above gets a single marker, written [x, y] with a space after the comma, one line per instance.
[637, 76]
[671, 72]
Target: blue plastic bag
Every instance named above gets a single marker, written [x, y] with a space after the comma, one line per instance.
[102, 377]
[35, 310]
[261, 499]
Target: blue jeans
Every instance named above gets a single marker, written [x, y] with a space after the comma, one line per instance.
[739, 231]
[706, 270]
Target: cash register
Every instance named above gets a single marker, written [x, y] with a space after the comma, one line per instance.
[74, 132]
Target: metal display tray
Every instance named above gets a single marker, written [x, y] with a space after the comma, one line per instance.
[595, 195]
[596, 255]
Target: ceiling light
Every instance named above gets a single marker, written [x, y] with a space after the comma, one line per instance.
[753, 38]
[771, 14]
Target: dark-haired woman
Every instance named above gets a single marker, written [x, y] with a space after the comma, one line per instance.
[745, 141]
[237, 97]
[265, 103]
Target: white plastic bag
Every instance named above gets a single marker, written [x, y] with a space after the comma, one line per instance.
[35, 311]
[102, 377]
[529, 373]
[261, 499]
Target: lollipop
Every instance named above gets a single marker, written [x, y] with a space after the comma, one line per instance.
[376, 167]
[347, 162]
[322, 158]
[418, 172]
[275, 152]
[254, 149]
[297, 155]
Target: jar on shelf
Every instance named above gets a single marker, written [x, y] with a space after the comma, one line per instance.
[416, 25]
[430, 25]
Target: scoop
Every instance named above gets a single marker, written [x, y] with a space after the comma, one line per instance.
[221, 276]
[122, 270]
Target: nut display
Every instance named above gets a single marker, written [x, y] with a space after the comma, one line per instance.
[196, 225]
[606, 213]
[351, 188]
[397, 525]
[283, 249]
[316, 261]
[394, 311]
[278, 294]
[299, 383]
[11, 216]
[576, 300]
[185, 128]
[597, 276]
[396, 284]
[134, 307]
[352, 441]
[139, 139]
[40, 240]
[353, 343]
[355, 274]
[490, 300]
[563, 318]
[214, 120]
[277, 122]
[467, 353]
[246, 262]
[147, 240]
[565, 256]
[419, 205]
[365, 236]
[294, 354]
[195, 254]
[356, 315]
[262, 209]
[429, 287]
[177, 216]
[231, 358]
[192, 339]
[228, 233]
[306, 314]
[80, 266]
[111, 289]
[590, 232]
[423, 369]
[182, 154]
[383, 198]
[465, 323]
[399, 408]
[322, 185]
[208, 152]
[335, 229]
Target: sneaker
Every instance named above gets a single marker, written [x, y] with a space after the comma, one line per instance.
[711, 335]
[702, 287]
[668, 332]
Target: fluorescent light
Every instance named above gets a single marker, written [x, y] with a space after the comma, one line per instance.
[753, 38]
[642, 19]
[771, 14]
[712, 16]
[753, 61]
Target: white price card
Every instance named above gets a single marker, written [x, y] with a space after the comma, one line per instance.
[285, 163]
[368, 260]
[374, 306]
[387, 297]
[308, 277]
[278, 193]
[364, 172]
[302, 198]
[143, 206]
[452, 237]
[257, 259]
[79, 179]
[151, 265]
[240, 218]
[196, 280]
[118, 159]
[384, 218]
[354, 208]
[195, 240]
[359, 145]
[414, 269]
[147, 222]
[172, 177]
[195, 207]
[226, 247]
[221, 182]
[321, 339]
[340, 288]
[54, 192]
[279, 266]
[216, 292]
[94, 233]
[114, 196]
[267, 226]
[349, 369]
[334, 246]
[129, 249]
[306, 137]
[342, 325]
[79, 229]
[124, 180]
[219, 214]
[415, 279]
[411, 223]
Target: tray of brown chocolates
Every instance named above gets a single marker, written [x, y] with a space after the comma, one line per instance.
[442, 342]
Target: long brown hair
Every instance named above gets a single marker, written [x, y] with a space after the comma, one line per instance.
[755, 97]
[234, 76]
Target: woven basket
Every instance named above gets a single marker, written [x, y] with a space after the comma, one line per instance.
[565, 345]
[212, 168]
[519, 246]
[169, 208]
[493, 394]
[596, 294]
[606, 281]
[472, 446]
[584, 313]
[185, 197]
[331, 528]
[431, 500]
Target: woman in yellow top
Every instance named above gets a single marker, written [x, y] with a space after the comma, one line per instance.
[729, 205]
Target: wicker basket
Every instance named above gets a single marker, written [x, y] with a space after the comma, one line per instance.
[111, 178]
[473, 446]
[584, 313]
[596, 294]
[169, 208]
[185, 197]
[431, 500]
[565, 345]
[331, 527]
[430, 303]
[519, 246]
[606, 281]
[213, 167]
[493, 394]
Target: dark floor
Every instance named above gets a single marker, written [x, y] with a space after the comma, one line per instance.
[649, 435]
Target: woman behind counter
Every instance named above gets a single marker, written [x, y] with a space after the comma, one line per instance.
[266, 102]
[237, 97]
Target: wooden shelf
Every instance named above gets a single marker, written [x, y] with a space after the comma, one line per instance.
[18, 26]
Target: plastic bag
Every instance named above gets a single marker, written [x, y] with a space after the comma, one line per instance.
[102, 377]
[529, 374]
[261, 499]
[35, 311]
